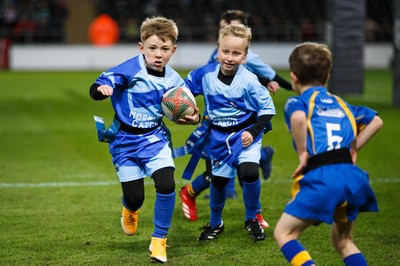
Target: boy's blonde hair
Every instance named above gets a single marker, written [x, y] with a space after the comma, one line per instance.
[163, 28]
[238, 30]
[311, 63]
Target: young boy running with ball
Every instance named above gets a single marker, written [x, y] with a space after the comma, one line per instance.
[139, 146]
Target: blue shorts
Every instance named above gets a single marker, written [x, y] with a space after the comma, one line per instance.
[138, 156]
[336, 192]
[227, 152]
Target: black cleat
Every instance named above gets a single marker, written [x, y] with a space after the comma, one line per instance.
[255, 230]
[210, 233]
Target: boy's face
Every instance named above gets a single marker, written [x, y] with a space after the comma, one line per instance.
[231, 54]
[157, 53]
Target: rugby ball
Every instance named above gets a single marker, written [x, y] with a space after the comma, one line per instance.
[178, 103]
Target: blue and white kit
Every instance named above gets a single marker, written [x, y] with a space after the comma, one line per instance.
[228, 106]
[136, 101]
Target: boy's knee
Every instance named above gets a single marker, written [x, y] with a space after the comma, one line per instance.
[164, 180]
[249, 172]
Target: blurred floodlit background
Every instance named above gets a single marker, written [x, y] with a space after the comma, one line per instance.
[68, 21]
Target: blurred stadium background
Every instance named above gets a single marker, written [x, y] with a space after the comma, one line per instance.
[27, 22]
[55, 34]
[67, 21]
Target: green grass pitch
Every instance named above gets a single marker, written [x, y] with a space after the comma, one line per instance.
[60, 198]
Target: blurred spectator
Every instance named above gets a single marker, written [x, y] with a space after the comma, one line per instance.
[385, 29]
[259, 28]
[103, 31]
[42, 17]
[9, 16]
[59, 15]
[308, 30]
[33, 21]
[371, 29]
[130, 31]
[24, 30]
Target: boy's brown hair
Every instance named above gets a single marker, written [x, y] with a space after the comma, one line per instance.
[235, 14]
[311, 63]
[163, 28]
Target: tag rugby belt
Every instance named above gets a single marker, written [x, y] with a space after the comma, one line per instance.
[238, 127]
[134, 130]
[330, 157]
[108, 135]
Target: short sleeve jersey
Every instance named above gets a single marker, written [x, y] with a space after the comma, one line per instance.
[229, 105]
[363, 116]
[331, 122]
[137, 95]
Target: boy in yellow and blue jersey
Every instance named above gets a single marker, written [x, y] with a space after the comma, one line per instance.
[327, 133]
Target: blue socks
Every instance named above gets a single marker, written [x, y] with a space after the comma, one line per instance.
[199, 184]
[251, 198]
[218, 196]
[355, 260]
[296, 254]
[163, 210]
[231, 185]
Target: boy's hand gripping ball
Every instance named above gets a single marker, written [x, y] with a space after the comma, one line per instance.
[178, 103]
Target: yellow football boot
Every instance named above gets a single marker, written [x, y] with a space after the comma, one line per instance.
[129, 221]
[158, 249]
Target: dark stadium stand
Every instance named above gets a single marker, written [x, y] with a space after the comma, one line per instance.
[45, 21]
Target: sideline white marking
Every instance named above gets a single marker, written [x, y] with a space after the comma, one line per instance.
[147, 182]
[58, 184]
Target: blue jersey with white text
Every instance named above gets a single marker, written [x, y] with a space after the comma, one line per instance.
[332, 191]
[227, 106]
[230, 105]
[332, 123]
[137, 95]
[253, 63]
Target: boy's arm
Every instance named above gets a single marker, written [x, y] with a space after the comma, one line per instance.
[259, 125]
[282, 83]
[98, 94]
[249, 135]
[367, 133]
[298, 122]
[265, 72]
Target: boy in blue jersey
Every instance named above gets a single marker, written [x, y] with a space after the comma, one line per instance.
[266, 74]
[238, 109]
[327, 132]
[140, 147]
[271, 80]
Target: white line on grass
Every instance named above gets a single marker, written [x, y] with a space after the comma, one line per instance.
[58, 184]
[147, 182]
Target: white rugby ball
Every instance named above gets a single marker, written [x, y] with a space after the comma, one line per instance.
[178, 103]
